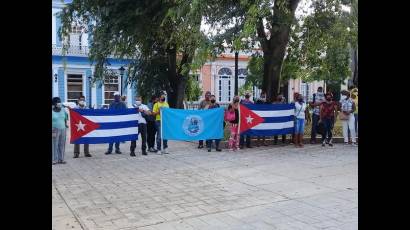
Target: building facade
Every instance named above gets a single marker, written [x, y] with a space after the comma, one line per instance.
[72, 73]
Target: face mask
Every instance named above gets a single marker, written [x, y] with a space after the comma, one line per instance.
[236, 100]
[58, 105]
[247, 96]
[213, 101]
[328, 99]
[81, 102]
[343, 97]
[300, 99]
[162, 99]
[138, 103]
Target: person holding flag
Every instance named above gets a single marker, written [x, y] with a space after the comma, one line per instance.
[157, 112]
[117, 104]
[243, 136]
[81, 105]
[300, 115]
[143, 112]
[217, 141]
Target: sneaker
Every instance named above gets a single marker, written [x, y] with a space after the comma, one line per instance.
[346, 143]
[209, 150]
[62, 162]
[218, 150]
[144, 153]
[323, 144]
[76, 155]
[118, 152]
[107, 153]
[165, 151]
[53, 163]
[354, 144]
[132, 154]
[87, 155]
[200, 146]
[330, 143]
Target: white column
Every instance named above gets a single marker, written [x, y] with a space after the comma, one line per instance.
[55, 83]
[130, 99]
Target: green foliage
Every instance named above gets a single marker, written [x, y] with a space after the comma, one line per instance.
[192, 91]
[255, 71]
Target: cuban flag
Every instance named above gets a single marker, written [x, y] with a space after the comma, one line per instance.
[97, 126]
[266, 119]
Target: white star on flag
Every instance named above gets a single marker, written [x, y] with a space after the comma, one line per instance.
[249, 119]
[80, 125]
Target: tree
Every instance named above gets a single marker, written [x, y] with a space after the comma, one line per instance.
[154, 32]
[265, 22]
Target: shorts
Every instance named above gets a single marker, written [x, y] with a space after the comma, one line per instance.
[299, 126]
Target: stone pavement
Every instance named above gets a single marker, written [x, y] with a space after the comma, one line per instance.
[259, 188]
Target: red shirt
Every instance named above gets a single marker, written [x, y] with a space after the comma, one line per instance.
[327, 109]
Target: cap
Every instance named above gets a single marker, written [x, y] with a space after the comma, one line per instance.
[116, 94]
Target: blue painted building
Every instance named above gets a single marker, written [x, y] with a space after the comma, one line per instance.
[72, 73]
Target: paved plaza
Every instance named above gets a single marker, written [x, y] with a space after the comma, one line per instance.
[275, 187]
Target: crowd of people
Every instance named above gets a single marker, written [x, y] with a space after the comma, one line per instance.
[325, 112]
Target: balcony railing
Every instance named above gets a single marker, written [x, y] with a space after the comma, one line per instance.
[72, 50]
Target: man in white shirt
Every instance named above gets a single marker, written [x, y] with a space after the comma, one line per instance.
[142, 126]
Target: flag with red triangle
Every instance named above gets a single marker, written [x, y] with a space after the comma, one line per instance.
[97, 126]
[266, 119]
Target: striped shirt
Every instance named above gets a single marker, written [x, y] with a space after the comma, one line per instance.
[347, 105]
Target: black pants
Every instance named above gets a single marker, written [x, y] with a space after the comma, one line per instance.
[201, 142]
[142, 129]
[315, 121]
[77, 149]
[209, 143]
[328, 122]
[151, 131]
[242, 140]
[275, 138]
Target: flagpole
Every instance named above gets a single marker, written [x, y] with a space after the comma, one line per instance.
[239, 119]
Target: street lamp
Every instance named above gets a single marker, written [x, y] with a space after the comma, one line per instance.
[121, 69]
[89, 91]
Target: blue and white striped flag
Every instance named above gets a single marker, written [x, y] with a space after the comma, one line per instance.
[96, 126]
[267, 119]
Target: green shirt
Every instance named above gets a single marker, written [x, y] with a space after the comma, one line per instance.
[59, 119]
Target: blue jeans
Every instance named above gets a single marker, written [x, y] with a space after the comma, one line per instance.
[328, 123]
[299, 126]
[158, 125]
[117, 146]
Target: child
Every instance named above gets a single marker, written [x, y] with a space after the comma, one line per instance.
[233, 120]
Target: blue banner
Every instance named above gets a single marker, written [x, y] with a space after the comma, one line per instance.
[190, 125]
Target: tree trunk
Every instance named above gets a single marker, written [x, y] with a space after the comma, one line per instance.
[273, 59]
[177, 81]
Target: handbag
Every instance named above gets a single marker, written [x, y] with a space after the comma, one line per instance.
[343, 116]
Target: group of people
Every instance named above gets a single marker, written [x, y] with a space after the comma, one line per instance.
[324, 115]
[149, 127]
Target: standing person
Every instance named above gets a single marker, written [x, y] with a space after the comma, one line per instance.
[295, 96]
[217, 141]
[151, 129]
[279, 100]
[261, 100]
[355, 98]
[242, 136]
[117, 104]
[143, 112]
[204, 104]
[59, 126]
[232, 116]
[81, 105]
[328, 113]
[300, 114]
[318, 99]
[157, 112]
[347, 117]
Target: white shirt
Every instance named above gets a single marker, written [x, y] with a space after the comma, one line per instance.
[141, 119]
[302, 108]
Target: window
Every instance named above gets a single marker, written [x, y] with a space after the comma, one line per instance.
[225, 92]
[304, 90]
[242, 73]
[111, 85]
[74, 87]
